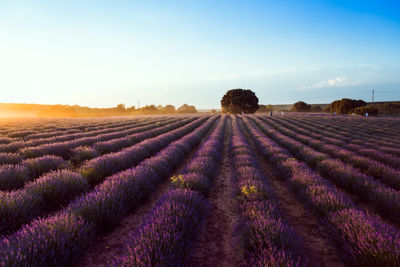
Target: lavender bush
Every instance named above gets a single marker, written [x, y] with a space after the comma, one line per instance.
[164, 237]
[46, 242]
[40, 165]
[13, 176]
[83, 153]
[17, 208]
[268, 241]
[10, 158]
[58, 188]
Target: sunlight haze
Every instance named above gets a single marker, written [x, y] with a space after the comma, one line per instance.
[102, 53]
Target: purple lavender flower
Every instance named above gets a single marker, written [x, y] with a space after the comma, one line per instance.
[10, 158]
[164, 237]
[57, 188]
[17, 208]
[46, 242]
[367, 240]
[40, 165]
[13, 176]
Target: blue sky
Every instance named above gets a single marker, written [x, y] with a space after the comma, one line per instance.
[102, 53]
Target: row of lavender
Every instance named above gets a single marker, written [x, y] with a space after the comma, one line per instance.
[376, 169]
[357, 136]
[382, 126]
[17, 129]
[56, 189]
[59, 239]
[366, 128]
[354, 140]
[86, 126]
[385, 199]
[104, 133]
[344, 141]
[17, 144]
[366, 135]
[63, 149]
[59, 145]
[15, 176]
[364, 238]
[268, 239]
[46, 128]
[9, 151]
[166, 234]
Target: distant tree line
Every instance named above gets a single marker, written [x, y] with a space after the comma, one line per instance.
[168, 109]
[245, 101]
[78, 111]
[264, 108]
[360, 107]
[388, 109]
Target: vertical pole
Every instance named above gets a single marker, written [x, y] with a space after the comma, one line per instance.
[372, 96]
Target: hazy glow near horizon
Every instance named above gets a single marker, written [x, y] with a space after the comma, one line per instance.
[102, 53]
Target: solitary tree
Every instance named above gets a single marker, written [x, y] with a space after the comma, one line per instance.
[238, 101]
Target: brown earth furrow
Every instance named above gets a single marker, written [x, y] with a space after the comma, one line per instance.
[216, 244]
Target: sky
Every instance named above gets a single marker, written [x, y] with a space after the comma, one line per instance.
[103, 53]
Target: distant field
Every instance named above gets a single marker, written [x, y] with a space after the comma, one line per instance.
[210, 190]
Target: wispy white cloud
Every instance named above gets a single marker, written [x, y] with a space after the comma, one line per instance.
[335, 82]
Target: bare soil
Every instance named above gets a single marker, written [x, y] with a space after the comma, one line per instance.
[216, 244]
[315, 244]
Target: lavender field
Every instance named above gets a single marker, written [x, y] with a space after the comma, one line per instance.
[200, 190]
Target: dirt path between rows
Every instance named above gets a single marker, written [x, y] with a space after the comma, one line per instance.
[315, 243]
[215, 244]
[107, 246]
